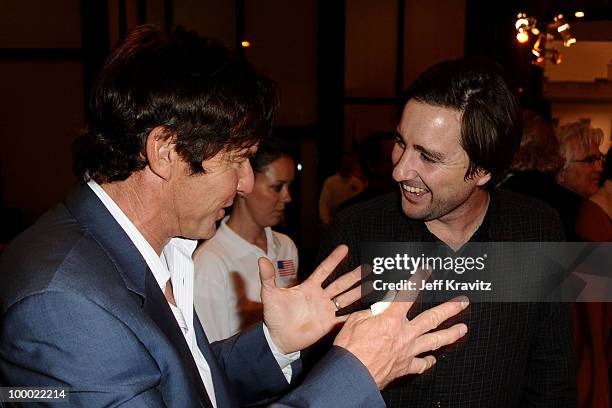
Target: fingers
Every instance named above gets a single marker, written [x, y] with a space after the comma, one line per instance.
[348, 298]
[329, 264]
[432, 318]
[404, 299]
[343, 283]
[266, 273]
[433, 341]
[420, 365]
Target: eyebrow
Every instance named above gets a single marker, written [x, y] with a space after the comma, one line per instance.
[434, 155]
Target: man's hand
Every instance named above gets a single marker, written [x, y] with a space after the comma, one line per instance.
[387, 344]
[299, 316]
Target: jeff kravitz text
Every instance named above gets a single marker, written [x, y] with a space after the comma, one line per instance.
[406, 264]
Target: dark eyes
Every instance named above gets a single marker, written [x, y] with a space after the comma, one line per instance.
[427, 158]
[277, 187]
[399, 141]
[424, 155]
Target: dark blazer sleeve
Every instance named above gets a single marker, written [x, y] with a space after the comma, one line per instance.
[338, 380]
[62, 339]
[250, 366]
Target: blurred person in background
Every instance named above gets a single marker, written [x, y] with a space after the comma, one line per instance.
[227, 286]
[593, 320]
[338, 188]
[533, 173]
[374, 152]
[603, 197]
[535, 168]
[579, 147]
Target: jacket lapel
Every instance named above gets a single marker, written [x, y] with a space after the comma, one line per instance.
[156, 306]
[220, 381]
[91, 213]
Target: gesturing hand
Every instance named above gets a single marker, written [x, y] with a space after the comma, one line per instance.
[387, 344]
[299, 316]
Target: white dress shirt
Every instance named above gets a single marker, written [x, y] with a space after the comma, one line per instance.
[175, 263]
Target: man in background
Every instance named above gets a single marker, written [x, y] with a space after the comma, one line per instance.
[374, 152]
[338, 188]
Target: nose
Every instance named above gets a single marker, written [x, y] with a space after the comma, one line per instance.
[246, 179]
[402, 167]
[286, 197]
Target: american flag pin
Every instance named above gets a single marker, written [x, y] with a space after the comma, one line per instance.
[285, 268]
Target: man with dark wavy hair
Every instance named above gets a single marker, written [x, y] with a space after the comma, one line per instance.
[460, 127]
[97, 295]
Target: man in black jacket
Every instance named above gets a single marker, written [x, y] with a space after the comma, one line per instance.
[459, 130]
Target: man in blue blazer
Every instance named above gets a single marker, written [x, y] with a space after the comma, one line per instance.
[97, 296]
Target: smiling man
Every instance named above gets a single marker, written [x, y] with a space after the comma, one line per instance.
[459, 129]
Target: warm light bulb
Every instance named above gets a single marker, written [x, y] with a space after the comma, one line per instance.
[579, 14]
[535, 31]
[299, 167]
[563, 27]
[522, 37]
[246, 44]
[569, 42]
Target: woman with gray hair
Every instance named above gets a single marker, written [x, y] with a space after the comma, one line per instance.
[579, 147]
[603, 197]
[535, 167]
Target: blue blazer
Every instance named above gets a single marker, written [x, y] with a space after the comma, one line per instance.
[81, 309]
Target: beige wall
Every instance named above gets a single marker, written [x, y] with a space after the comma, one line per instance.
[600, 115]
[209, 18]
[430, 36]
[583, 61]
[435, 31]
[42, 104]
[285, 48]
[370, 48]
[37, 127]
[40, 24]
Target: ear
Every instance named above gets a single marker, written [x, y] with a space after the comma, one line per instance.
[482, 177]
[160, 152]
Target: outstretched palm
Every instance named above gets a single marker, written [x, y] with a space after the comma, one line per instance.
[299, 316]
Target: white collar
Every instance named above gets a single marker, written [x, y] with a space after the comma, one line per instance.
[240, 246]
[154, 262]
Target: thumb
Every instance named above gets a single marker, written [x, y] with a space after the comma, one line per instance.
[266, 273]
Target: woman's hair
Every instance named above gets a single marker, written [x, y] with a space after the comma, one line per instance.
[539, 148]
[270, 149]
